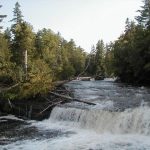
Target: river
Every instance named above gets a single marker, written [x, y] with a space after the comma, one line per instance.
[120, 120]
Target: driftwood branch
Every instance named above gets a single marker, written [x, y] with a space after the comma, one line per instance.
[72, 99]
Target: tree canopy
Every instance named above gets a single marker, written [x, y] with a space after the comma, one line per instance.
[132, 49]
[34, 61]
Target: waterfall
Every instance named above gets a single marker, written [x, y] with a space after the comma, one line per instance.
[133, 121]
[120, 120]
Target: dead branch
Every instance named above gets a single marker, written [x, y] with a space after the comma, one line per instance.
[72, 99]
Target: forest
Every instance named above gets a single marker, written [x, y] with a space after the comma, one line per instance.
[30, 62]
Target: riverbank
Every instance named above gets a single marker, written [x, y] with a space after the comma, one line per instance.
[36, 108]
[15, 127]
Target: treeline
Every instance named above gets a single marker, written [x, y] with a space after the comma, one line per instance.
[100, 61]
[131, 52]
[127, 58]
[33, 61]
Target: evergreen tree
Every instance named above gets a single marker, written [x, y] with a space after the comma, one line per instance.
[7, 35]
[144, 18]
[48, 48]
[17, 14]
[108, 60]
[92, 64]
[22, 42]
[50, 58]
[131, 55]
[6, 67]
[99, 58]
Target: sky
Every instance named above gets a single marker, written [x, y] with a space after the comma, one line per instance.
[85, 21]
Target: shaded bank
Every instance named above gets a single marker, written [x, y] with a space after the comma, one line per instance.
[32, 107]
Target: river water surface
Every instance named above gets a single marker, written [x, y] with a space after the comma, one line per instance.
[120, 120]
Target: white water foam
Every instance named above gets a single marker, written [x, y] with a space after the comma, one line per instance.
[95, 127]
[92, 130]
[110, 79]
[86, 141]
[12, 117]
[82, 140]
[104, 105]
[131, 121]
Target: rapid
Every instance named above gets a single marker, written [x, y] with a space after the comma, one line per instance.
[120, 120]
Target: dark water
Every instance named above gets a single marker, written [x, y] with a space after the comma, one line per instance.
[120, 120]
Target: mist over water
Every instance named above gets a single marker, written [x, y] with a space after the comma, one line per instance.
[120, 120]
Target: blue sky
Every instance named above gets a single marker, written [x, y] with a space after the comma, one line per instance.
[86, 21]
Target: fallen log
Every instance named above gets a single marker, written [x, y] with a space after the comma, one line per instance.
[72, 99]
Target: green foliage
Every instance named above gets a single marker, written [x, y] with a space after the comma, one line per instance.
[128, 58]
[144, 18]
[48, 48]
[17, 14]
[90, 61]
[5, 64]
[39, 80]
[132, 55]
[109, 61]
[67, 72]
[99, 58]
[23, 39]
[48, 56]
[96, 60]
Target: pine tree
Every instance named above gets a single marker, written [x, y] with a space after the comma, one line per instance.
[99, 58]
[92, 64]
[144, 18]
[108, 60]
[16, 34]
[22, 41]
[17, 14]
